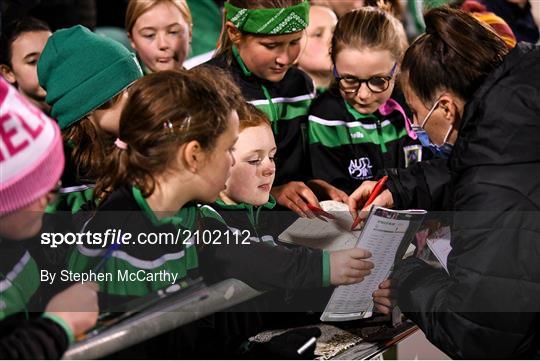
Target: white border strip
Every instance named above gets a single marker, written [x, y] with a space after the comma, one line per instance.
[283, 100]
[336, 123]
[17, 269]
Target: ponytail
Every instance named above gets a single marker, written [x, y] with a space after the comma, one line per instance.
[164, 111]
[456, 53]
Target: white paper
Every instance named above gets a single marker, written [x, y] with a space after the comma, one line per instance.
[332, 235]
[384, 233]
[439, 244]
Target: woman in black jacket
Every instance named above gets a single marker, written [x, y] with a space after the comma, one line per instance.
[478, 106]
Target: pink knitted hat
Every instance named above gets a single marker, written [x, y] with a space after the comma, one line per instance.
[31, 155]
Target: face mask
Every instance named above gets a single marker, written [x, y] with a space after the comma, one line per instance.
[441, 151]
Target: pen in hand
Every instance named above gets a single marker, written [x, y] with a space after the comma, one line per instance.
[374, 194]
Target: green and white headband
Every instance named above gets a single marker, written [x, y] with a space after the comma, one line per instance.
[276, 21]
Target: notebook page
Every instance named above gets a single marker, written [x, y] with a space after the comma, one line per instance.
[315, 233]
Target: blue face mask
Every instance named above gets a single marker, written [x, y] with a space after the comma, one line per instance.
[442, 151]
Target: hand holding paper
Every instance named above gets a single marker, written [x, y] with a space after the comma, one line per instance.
[348, 266]
[385, 297]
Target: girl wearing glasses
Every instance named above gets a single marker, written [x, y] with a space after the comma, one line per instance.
[357, 129]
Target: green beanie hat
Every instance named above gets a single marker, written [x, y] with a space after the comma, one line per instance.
[81, 71]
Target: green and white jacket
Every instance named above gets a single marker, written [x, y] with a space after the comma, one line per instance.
[126, 210]
[286, 103]
[348, 147]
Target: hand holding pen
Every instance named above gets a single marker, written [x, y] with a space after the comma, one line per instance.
[368, 194]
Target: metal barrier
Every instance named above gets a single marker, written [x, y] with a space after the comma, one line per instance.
[159, 319]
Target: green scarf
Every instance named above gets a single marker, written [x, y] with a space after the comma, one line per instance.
[276, 21]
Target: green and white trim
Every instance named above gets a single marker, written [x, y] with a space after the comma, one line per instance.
[18, 286]
[337, 133]
[285, 108]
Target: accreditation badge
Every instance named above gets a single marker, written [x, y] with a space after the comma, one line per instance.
[413, 154]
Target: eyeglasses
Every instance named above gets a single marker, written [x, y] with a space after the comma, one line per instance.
[376, 84]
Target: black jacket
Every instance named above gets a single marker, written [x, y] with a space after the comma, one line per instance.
[423, 185]
[489, 304]
[38, 338]
[262, 264]
[291, 98]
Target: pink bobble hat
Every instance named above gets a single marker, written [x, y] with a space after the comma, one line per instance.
[31, 155]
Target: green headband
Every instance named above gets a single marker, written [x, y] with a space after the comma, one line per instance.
[276, 21]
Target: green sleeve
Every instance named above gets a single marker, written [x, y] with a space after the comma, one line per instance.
[326, 269]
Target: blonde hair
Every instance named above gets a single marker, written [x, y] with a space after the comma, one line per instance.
[136, 8]
[370, 27]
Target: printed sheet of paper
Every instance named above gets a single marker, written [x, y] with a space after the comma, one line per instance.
[386, 235]
[332, 235]
[439, 244]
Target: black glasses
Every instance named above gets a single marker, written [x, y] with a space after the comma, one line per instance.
[376, 84]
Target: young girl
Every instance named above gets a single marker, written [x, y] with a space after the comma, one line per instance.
[160, 32]
[166, 157]
[315, 59]
[21, 45]
[85, 76]
[244, 205]
[259, 45]
[356, 128]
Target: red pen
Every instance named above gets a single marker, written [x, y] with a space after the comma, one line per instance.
[374, 194]
[320, 213]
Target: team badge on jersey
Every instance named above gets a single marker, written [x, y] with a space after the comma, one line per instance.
[361, 168]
